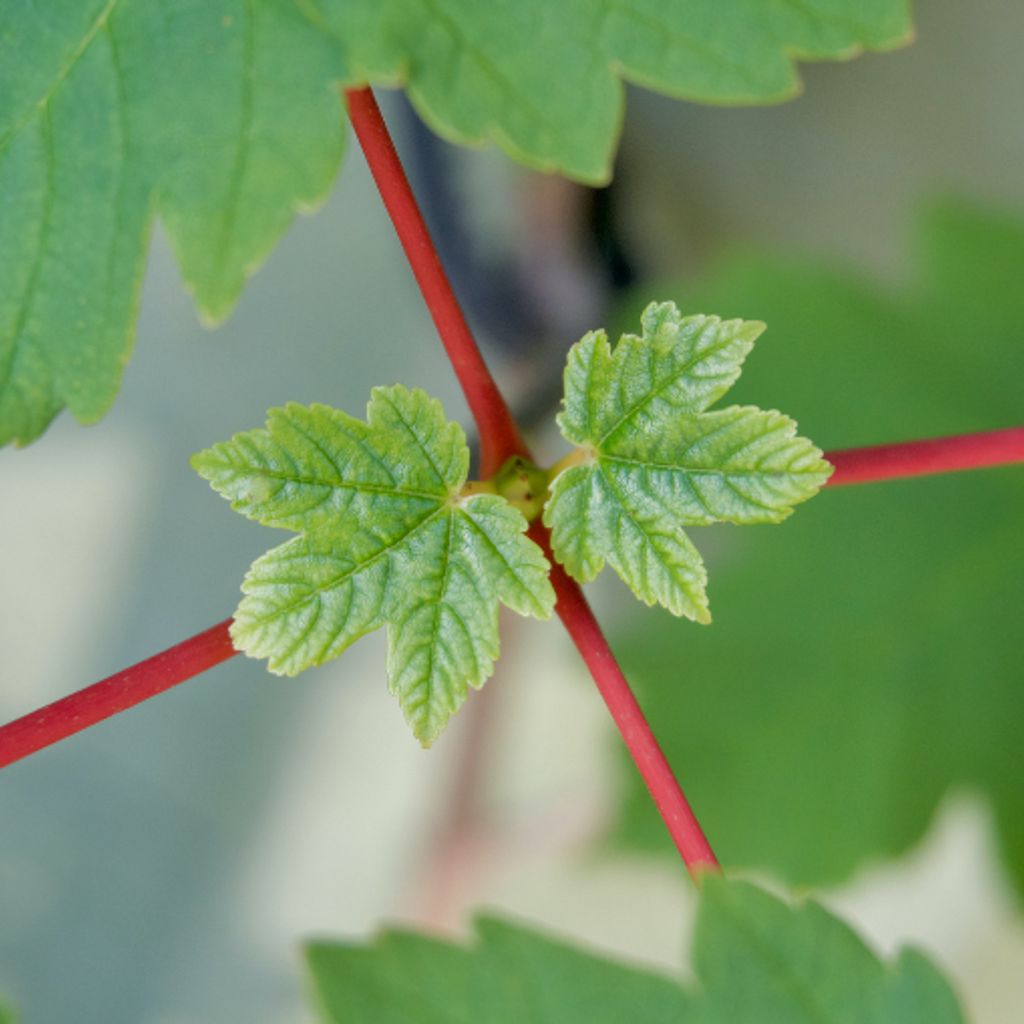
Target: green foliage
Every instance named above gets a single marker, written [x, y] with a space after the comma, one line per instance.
[881, 671]
[542, 80]
[654, 460]
[390, 533]
[757, 961]
[220, 116]
[224, 118]
[386, 538]
[511, 976]
[762, 961]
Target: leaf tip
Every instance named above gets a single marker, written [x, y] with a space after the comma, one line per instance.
[200, 462]
[426, 728]
[751, 330]
[214, 305]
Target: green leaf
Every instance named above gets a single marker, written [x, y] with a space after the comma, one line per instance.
[881, 672]
[542, 80]
[386, 538]
[653, 460]
[221, 116]
[757, 961]
[510, 976]
[224, 119]
[762, 961]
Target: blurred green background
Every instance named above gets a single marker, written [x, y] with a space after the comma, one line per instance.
[864, 666]
[865, 658]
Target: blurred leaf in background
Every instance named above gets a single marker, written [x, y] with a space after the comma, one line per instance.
[756, 957]
[510, 976]
[226, 119]
[865, 657]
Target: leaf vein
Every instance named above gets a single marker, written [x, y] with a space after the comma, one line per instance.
[32, 284]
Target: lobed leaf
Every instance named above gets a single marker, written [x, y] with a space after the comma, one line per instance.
[543, 80]
[224, 119]
[676, 365]
[757, 960]
[653, 460]
[386, 539]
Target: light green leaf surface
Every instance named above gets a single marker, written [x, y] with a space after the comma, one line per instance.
[385, 538]
[881, 672]
[757, 960]
[224, 118]
[653, 460]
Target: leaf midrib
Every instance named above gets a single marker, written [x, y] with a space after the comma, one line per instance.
[652, 539]
[500, 555]
[356, 567]
[704, 471]
[341, 485]
[650, 396]
[240, 162]
[489, 67]
[801, 990]
[62, 74]
[43, 236]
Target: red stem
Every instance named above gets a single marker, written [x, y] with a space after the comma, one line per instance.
[937, 455]
[119, 692]
[73, 713]
[650, 760]
[499, 439]
[499, 435]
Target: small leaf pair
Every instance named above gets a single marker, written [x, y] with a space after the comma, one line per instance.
[391, 535]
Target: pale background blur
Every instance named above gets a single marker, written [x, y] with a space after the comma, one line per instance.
[163, 867]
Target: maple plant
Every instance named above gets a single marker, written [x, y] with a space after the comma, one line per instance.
[224, 118]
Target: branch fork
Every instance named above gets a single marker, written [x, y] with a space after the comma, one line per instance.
[508, 469]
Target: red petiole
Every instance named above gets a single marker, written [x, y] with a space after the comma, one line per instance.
[116, 693]
[499, 435]
[124, 690]
[919, 458]
[499, 438]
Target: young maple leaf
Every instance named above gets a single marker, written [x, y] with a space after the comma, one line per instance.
[653, 460]
[386, 538]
